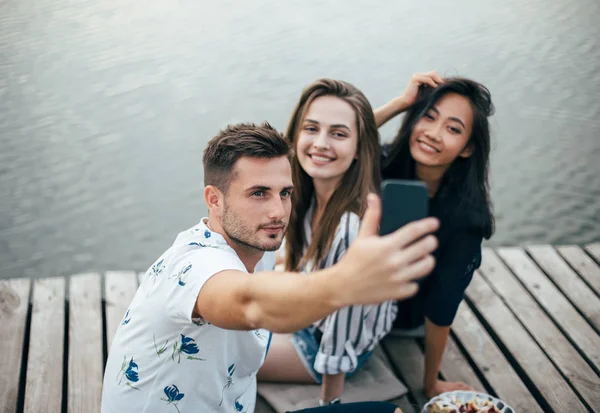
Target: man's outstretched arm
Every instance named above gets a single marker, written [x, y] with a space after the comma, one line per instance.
[373, 270]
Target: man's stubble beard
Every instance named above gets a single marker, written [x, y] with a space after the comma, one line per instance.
[236, 229]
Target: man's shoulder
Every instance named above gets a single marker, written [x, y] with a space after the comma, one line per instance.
[207, 257]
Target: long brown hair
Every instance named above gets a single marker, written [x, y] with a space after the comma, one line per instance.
[362, 177]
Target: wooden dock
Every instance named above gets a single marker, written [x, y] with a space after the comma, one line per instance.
[528, 332]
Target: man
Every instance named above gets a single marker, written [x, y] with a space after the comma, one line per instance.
[198, 328]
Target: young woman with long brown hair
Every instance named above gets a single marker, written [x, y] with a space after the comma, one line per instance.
[336, 165]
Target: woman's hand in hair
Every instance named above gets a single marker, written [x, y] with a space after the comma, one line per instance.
[400, 103]
[409, 96]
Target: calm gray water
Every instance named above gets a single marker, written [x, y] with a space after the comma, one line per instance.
[105, 107]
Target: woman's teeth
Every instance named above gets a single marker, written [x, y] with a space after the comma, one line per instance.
[426, 146]
[321, 158]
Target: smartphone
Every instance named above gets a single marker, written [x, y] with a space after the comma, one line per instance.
[402, 202]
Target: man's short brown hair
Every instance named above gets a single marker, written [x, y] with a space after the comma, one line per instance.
[236, 141]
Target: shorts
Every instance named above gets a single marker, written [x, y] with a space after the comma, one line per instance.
[307, 346]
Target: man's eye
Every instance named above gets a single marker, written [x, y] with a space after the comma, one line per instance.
[258, 193]
[286, 194]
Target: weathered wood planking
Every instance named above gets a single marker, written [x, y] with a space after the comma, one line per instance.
[44, 380]
[403, 402]
[594, 250]
[583, 264]
[14, 304]
[407, 358]
[551, 299]
[262, 406]
[530, 357]
[489, 359]
[119, 289]
[572, 287]
[536, 313]
[543, 330]
[455, 367]
[85, 344]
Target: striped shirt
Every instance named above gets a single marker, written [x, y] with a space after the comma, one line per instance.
[350, 331]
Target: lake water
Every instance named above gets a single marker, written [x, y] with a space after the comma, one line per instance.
[105, 108]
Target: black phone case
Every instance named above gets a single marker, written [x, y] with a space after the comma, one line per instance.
[402, 202]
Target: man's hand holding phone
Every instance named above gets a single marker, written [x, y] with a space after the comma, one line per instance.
[378, 268]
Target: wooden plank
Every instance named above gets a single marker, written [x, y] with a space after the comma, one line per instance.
[455, 367]
[119, 289]
[403, 402]
[85, 344]
[490, 360]
[594, 250]
[14, 304]
[43, 389]
[407, 359]
[547, 379]
[551, 299]
[262, 406]
[583, 264]
[573, 287]
[543, 330]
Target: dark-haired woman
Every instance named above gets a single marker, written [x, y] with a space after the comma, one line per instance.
[444, 141]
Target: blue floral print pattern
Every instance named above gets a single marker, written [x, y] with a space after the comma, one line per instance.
[129, 372]
[161, 349]
[181, 274]
[207, 234]
[126, 318]
[173, 396]
[229, 383]
[239, 407]
[212, 245]
[268, 344]
[187, 346]
[200, 322]
[156, 269]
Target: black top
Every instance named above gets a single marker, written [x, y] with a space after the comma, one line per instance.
[457, 257]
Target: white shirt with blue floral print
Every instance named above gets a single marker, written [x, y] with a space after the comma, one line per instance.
[163, 360]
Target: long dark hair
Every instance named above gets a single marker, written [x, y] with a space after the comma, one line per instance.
[362, 177]
[466, 182]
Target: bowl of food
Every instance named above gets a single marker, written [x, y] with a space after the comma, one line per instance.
[466, 402]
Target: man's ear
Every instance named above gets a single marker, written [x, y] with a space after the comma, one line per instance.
[467, 151]
[213, 198]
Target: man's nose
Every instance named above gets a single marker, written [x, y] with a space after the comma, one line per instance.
[276, 209]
